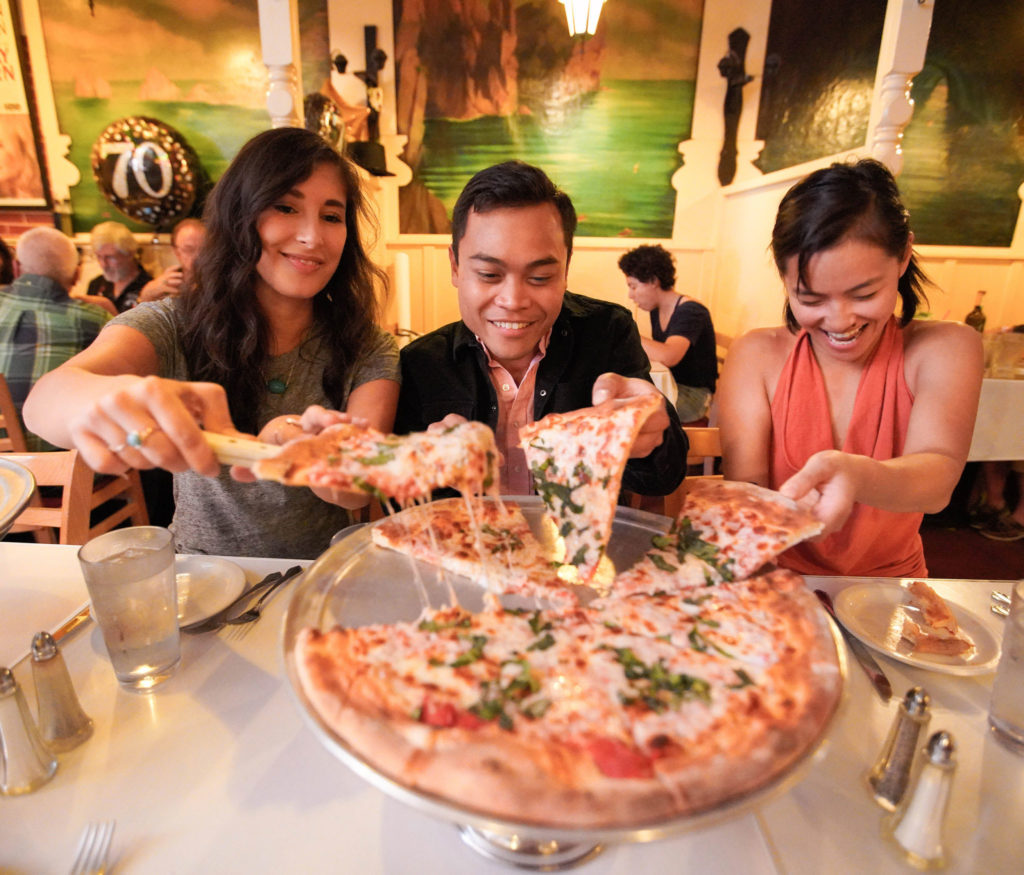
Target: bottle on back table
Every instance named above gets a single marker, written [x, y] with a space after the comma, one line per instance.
[976, 318]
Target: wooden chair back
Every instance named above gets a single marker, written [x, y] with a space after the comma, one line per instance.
[722, 344]
[705, 449]
[12, 437]
[82, 492]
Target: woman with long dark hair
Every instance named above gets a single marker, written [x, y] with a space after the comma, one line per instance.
[864, 415]
[276, 334]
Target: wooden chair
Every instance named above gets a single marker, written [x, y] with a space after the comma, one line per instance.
[705, 449]
[83, 492]
[12, 437]
[722, 344]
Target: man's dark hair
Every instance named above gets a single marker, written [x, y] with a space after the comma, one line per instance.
[511, 184]
[857, 201]
[649, 263]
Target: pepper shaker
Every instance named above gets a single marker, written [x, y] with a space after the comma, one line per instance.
[62, 722]
[916, 826]
[891, 773]
[25, 763]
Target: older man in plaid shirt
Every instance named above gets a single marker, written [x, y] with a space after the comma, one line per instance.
[41, 326]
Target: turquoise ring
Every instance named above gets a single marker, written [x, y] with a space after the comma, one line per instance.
[136, 439]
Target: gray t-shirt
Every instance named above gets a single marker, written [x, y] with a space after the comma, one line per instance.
[222, 516]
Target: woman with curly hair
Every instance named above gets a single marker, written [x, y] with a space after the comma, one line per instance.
[275, 335]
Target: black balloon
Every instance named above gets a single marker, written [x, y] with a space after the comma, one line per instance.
[147, 170]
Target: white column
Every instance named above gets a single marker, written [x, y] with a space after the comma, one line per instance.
[63, 173]
[698, 191]
[900, 59]
[279, 37]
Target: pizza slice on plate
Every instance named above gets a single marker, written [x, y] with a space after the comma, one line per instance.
[489, 542]
[935, 630]
[361, 459]
[577, 460]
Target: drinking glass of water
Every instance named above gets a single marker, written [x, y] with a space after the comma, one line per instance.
[130, 577]
[1006, 713]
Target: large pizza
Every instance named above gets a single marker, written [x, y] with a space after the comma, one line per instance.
[699, 675]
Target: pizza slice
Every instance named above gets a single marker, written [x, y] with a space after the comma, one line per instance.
[738, 682]
[361, 459]
[577, 460]
[738, 527]
[937, 631]
[487, 541]
[678, 561]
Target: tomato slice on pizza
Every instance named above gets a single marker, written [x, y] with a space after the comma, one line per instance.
[577, 460]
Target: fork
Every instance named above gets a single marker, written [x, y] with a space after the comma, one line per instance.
[247, 618]
[93, 848]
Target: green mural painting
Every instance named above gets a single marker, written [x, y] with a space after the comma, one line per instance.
[194, 65]
[480, 82]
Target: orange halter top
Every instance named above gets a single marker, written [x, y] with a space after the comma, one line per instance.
[873, 542]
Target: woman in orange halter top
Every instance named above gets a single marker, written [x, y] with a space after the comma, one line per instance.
[861, 414]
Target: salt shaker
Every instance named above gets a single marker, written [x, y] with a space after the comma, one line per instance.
[891, 773]
[25, 763]
[916, 826]
[62, 722]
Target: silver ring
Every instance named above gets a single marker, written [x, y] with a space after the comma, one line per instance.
[136, 439]
[120, 448]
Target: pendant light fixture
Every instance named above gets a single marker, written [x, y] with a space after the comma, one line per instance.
[582, 15]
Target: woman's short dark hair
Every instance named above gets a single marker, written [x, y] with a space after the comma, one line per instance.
[857, 201]
[226, 335]
[648, 263]
[511, 184]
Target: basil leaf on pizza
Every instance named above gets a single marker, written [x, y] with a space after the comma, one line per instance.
[577, 460]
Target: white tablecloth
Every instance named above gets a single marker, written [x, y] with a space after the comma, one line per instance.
[999, 427]
[216, 772]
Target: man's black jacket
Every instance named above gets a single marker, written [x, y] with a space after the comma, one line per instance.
[446, 371]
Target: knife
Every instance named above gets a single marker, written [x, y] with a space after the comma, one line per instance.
[219, 619]
[867, 662]
[81, 616]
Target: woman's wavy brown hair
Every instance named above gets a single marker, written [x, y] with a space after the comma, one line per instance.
[225, 333]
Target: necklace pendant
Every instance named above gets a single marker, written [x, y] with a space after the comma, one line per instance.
[276, 386]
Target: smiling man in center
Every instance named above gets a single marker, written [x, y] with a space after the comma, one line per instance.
[525, 345]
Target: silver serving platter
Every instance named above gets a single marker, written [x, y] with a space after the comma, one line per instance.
[356, 583]
[16, 487]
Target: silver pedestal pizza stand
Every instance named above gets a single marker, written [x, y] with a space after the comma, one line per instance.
[355, 583]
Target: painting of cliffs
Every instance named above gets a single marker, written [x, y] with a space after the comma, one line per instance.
[480, 82]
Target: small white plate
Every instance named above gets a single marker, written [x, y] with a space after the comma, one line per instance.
[206, 584]
[873, 612]
[16, 487]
